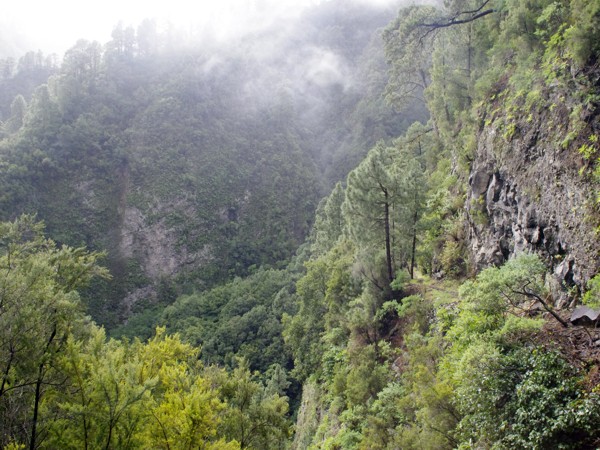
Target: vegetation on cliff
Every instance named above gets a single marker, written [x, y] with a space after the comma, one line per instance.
[492, 363]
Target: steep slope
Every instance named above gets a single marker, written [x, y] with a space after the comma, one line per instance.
[530, 189]
[532, 184]
[511, 209]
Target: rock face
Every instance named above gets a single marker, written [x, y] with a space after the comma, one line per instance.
[155, 246]
[526, 194]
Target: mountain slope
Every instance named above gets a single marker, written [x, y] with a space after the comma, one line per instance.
[190, 163]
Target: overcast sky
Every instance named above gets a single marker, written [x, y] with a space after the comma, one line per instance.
[55, 25]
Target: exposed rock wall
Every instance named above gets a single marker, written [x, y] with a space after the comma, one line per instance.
[526, 192]
[155, 245]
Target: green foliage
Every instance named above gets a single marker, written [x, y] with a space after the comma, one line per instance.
[324, 295]
[366, 376]
[39, 309]
[429, 402]
[468, 374]
[400, 280]
[441, 224]
[92, 151]
[240, 319]
[20, 78]
[589, 151]
[508, 394]
[214, 155]
[18, 109]
[583, 34]
[592, 295]
[401, 310]
[408, 53]
[452, 259]
[65, 386]
[471, 372]
[384, 414]
[384, 198]
[256, 414]
[135, 396]
[329, 223]
[489, 301]
[528, 398]
[128, 138]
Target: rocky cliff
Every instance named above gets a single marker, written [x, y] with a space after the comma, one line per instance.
[530, 187]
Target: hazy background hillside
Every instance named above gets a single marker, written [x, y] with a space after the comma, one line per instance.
[192, 159]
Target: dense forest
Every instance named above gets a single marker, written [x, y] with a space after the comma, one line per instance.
[367, 227]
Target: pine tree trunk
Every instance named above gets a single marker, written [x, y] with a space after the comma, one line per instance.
[388, 246]
[414, 237]
[38, 393]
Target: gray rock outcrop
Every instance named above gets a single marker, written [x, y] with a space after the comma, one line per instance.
[526, 194]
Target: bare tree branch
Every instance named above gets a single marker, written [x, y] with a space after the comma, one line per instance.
[529, 293]
[455, 21]
[483, 5]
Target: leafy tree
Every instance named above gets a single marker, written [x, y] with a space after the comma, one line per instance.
[526, 398]
[366, 377]
[240, 319]
[429, 416]
[256, 415]
[110, 397]
[23, 77]
[324, 295]
[525, 394]
[329, 222]
[500, 293]
[147, 37]
[583, 35]
[408, 51]
[18, 109]
[39, 310]
[302, 332]
[135, 395]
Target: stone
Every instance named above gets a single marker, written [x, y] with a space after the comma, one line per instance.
[479, 181]
[585, 316]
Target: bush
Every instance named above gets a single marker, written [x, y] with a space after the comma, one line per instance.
[528, 398]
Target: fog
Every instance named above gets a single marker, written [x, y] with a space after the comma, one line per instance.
[53, 27]
[312, 62]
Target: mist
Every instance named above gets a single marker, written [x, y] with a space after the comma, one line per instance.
[312, 61]
[53, 27]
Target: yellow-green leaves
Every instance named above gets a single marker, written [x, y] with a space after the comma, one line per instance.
[136, 395]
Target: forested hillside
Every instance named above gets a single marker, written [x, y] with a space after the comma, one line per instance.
[394, 347]
[425, 302]
[190, 161]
